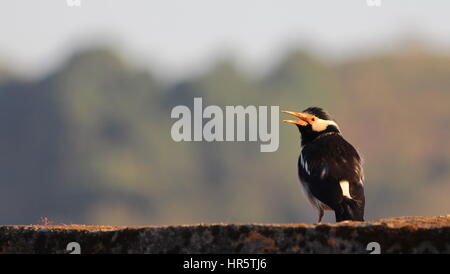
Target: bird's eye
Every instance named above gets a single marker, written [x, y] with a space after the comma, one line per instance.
[313, 119]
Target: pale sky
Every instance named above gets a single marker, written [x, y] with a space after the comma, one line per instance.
[178, 37]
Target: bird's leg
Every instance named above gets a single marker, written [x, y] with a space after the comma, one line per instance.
[320, 215]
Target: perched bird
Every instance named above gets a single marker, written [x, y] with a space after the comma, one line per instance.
[329, 167]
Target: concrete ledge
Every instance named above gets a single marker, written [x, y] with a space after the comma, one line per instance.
[397, 235]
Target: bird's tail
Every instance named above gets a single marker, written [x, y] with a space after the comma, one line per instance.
[350, 209]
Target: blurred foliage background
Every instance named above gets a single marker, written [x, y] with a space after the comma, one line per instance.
[90, 143]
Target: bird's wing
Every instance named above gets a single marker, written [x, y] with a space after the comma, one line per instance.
[326, 163]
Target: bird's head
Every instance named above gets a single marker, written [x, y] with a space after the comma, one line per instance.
[312, 123]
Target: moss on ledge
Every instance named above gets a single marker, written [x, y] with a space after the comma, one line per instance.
[396, 235]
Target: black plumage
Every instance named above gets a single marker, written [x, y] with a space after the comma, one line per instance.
[329, 167]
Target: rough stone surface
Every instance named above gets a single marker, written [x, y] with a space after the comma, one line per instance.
[396, 235]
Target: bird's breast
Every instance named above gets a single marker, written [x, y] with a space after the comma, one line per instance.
[311, 198]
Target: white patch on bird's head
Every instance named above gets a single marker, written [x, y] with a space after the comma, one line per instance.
[319, 125]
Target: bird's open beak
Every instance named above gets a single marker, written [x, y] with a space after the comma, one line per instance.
[304, 117]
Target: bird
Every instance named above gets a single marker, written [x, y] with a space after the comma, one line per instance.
[329, 168]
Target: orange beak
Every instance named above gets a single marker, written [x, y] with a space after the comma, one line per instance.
[304, 118]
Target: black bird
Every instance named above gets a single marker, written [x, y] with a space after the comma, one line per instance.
[329, 167]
